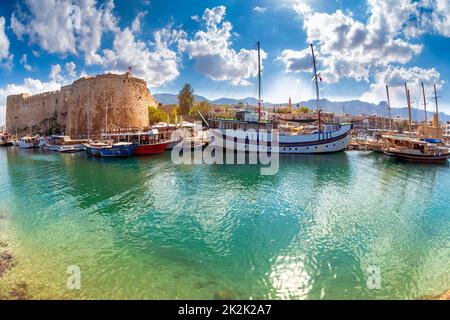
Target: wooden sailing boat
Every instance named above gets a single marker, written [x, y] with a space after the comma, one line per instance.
[412, 149]
[249, 132]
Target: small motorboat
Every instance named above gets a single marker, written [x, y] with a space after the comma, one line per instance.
[119, 149]
[93, 148]
[149, 142]
[65, 144]
[5, 140]
[28, 142]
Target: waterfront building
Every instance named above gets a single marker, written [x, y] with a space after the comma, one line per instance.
[220, 111]
[447, 128]
[431, 131]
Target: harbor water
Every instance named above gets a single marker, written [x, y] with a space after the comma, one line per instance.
[350, 225]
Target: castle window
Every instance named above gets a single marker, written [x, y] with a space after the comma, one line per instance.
[56, 101]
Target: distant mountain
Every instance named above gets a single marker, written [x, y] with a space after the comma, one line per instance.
[353, 107]
[167, 98]
[356, 107]
[249, 100]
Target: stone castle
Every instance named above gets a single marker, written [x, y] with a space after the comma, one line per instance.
[85, 108]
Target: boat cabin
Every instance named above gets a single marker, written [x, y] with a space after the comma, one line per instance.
[408, 144]
[143, 138]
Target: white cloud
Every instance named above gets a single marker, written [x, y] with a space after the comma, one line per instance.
[352, 49]
[77, 25]
[214, 16]
[24, 62]
[4, 41]
[213, 53]
[47, 21]
[5, 57]
[296, 61]
[55, 73]
[258, 9]
[71, 69]
[156, 66]
[441, 17]
[395, 78]
[136, 25]
[302, 7]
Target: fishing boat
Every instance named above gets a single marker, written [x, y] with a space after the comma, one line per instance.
[64, 144]
[44, 143]
[249, 132]
[28, 142]
[413, 149]
[410, 149]
[148, 142]
[93, 148]
[5, 140]
[175, 133]
[119, 149]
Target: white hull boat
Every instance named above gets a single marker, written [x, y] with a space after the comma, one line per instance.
[67, 148]
[326, 141]
[26, 143]
[249, 132]
[63, 144]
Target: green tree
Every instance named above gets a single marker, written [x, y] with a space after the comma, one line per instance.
[186, 99]
[156, 115]
[203, 107]
[303, 109]
[282, 111]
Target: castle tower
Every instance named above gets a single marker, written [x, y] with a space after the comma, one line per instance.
[86, 107]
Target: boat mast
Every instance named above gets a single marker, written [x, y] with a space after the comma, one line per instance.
[408, 98]
[88, 114]
[437, 109]
[106, 108]
[425, 106]
[389, 108]
[316, 80]
[315, 77]
[259, 81]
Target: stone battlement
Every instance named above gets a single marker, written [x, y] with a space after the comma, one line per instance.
[80, 108]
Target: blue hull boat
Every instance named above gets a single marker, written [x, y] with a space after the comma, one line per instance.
[121, 149]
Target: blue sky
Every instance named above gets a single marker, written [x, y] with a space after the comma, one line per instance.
[361, 46]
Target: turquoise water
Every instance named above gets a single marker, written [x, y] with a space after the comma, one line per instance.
[144, 228]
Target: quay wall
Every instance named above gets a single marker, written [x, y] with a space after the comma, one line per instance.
[84, 108]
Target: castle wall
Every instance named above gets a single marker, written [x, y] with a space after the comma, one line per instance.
[83, 108]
